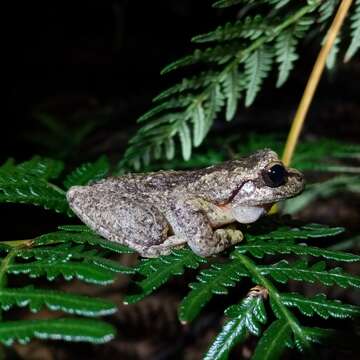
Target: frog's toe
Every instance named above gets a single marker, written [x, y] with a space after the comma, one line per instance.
[228, 236]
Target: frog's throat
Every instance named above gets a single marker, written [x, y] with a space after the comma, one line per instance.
[247, 214]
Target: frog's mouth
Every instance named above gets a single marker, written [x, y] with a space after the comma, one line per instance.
[249, 214]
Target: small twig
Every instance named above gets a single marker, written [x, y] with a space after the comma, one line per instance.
[313, 81]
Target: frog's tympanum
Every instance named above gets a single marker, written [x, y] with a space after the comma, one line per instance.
[156, 212]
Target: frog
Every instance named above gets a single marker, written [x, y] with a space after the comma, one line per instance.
[157, 212]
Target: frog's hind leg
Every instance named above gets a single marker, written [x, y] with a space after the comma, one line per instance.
[165, 248]
[132, 221]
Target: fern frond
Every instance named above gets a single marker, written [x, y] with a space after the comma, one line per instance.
[319, 335]
[213, 106]
[153, 126]
[285, 47]
[188, 84]
[88, 172]
[173, 103]
[81, 236]
[257, 67]
[66, 252]
[28, 183]
[199, 127]
[185, 140]
[217, 55]
[274, 341]
[169, 145]
[355, 34]
[279, 309]
[41, 167]
[301, 271]
[240, 59]
[36, 299]
[320, 305]
[327, 9]
[226, 3]
[69, 329]
[248, 28]
[8, 165]
[309, 231]
[25, 189]
[244, 318]
[277, 338]
[75, 228]
[331, 59]
[159, 270]
[69, 270]
[261, 248]
[214, 280]
[233, 84]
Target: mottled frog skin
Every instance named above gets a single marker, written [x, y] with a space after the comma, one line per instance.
[156, 212]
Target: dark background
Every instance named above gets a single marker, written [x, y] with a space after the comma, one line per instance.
[89, 58]
[97, 64]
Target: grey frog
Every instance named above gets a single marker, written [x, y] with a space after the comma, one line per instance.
[155, 212]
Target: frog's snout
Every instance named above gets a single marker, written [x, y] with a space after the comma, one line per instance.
[297, 177]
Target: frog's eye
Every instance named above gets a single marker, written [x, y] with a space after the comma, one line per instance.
[275, 175]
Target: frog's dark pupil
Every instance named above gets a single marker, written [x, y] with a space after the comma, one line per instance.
[276, 175]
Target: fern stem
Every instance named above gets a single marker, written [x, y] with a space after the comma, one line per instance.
[18, 243]
[57, 188]
[313, 81]
[274, 295]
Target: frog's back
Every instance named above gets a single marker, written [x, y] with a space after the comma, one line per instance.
[156, 181]
[168, 180]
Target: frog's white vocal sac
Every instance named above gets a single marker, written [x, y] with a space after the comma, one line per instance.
[156, 212]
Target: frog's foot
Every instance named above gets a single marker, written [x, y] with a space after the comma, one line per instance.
[171, 243]
[225, 238]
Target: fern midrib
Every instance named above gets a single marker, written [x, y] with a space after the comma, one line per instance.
[275, 296]
[79, 270]
[265, 269]
[328, 306]
[301, 249]
[268, 354]
[57, 300]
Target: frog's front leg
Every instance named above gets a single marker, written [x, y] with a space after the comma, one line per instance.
[189, 221]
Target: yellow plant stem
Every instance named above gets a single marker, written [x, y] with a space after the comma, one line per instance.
[18, 243]
[313, 81]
